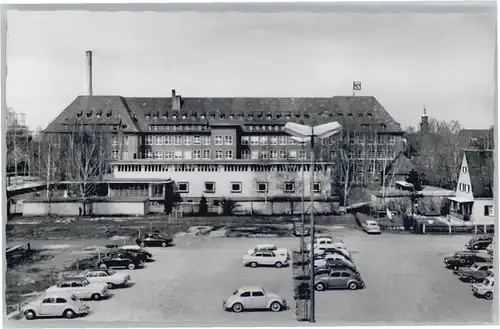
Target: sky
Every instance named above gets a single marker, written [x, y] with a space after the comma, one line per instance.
[444, 62]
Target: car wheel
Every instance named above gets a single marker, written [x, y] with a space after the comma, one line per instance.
[69, 314]
[95, 296]
[131, 266]
[488, 295]
[103, 265]
[253, 264]
[142, 244]
[278, 264]
[237, 308]
[275, 307]
[353, 286]
[111, 285]
[163, 244]
[320, 286]
[30, 315]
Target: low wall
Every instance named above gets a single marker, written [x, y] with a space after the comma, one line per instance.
[99, 207]
[260, 207]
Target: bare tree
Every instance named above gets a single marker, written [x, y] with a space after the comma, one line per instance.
[47, 159]
[288, 175]
[345, 167]
[388, 174]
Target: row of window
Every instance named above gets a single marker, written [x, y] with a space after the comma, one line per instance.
[464, 187]
[302, 154]
[188, 140]
[237, 187]
[189, 154]
[287, 140]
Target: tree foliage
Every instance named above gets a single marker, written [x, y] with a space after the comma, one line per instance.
[203, 208]
[228, 206]
[172, 198]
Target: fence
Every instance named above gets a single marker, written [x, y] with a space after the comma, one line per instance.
[454, 229]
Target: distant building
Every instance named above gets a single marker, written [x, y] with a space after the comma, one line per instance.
[480, 139]
[473, 200]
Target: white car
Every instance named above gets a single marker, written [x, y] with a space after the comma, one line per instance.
[108, 276]
[327, 241]
[331, 249]
[269, 247]
[254, 298]
[371, 227]
[81, 288]
[484, 289]
[55, 304]
[322, 262]
[265, 258]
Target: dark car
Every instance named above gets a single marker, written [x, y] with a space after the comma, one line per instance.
[133, 249]
[465, 259]
[476, 273]
[479, 244]
[339, 264]
[154, 240]
[119, 259]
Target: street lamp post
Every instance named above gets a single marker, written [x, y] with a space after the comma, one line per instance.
[305, 133]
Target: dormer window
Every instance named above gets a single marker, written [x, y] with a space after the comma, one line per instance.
[202, 116]
[340, 114]
[193, 115]
[369, 115]
[98, 114]
[382, 126]
[184, 117]
[241, 115]
[231, 116]
[164, 115]
[89, 114]
[174, 117]
[297, 115]
[269, 117]
[288, 116]
[250, 128]
[79, 114]
[250, 115]
[222, 115]
[278, 115]
[257, 128]
[212, 115]
[360, 115]
[109, 114]
[259, 115]
[148, 115]
[349, 115]
[306, 115]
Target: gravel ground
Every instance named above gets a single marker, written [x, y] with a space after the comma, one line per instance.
[406, 283]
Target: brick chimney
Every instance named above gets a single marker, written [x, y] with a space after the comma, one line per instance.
[176, 101]
[88, 85]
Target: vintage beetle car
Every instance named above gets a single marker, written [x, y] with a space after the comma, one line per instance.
[254, 298]
[465, 259]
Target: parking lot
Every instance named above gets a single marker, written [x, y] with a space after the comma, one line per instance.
[405, 277]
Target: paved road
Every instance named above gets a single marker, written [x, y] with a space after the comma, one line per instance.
[406, 283]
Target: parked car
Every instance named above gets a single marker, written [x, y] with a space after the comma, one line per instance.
[484, 289]
[254, 298]
[81, 288]
[322, 262]
[340, 264]
[154, 240]
[476, 273]
[135, 249]
[370, 227]
[479, 243]
[301, 231]
[109, 276]
[131, 254]
[119, 259]
[264, 258]
[55, 304]
[465, 259]
[269, 247]
[338, 279]
[330, 249]
[326, 241]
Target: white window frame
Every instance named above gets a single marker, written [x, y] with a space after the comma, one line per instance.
[291, 190]
[206, 190]
[245, 140]
[197, 154]
[273, 154]
[114, 154]
[114, 140]
[291, 154]
[206, 140]
[391, 140]
[266, 184]
[317, 190]
[219, 140]
[254, 155]
[263, 155]
[282, 154]
[187, 140]
[491, 211]
[228, 140]
[283, 140]
[125, 140]
[301, 154]
[245, 154]
[263, 140]
[125, 155]
[149, 140]
[238, 190]
[228, 154]
[254, 140]
[177, 140]
[158, 140]
[158, 154]
[464, 169]
[196, 140]
[219, 155]
[177, 154]
[186, 190]
[167, 140]
[168, 154]
[149, 154]
[188, 154]
[274, 140]
[206, 154]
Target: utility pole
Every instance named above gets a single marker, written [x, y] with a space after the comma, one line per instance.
[312, 304]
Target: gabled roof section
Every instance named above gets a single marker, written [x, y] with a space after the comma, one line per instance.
[480, 166]
[101, 111]
[401, 165]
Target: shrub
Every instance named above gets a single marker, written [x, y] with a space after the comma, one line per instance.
[203, 209]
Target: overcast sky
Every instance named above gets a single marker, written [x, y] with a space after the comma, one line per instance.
[442, 61]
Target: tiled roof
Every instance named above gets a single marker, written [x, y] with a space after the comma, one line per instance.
[481, 168]
[401, 165]
[139, 113]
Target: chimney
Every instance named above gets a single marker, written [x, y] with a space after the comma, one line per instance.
[88, 57]
[176, 101]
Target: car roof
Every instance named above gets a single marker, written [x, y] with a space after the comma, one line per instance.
[50, 293]
[265, 245]
[250, 288]
[95, 269]
[71, 279]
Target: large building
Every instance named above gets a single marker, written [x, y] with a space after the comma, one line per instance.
[233, 148]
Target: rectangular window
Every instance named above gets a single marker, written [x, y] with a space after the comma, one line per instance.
[283, 140]
[255, 155]
[245, 140]
[158, 154]
[245, 154]
[149, 140]
[289, 187]
[254, 140]
[391, 140]
[370, 140]
[206, 154]
[188, 154]
[263, 140]
[302, 154]
[228, 154]
[178, 140]
[168, 140]
[274, 140]
[273, 155]
[159, 140]
[183, 187]
[178, 154]
[218, 154]
[317, 187]
[468, 188]
[228, 140]
[114, 155]
[218, 140]
[197, 154]
[262, 187]
[291, 141]
[206, 140]
[380, 152]
[488, 211]
[125, 140]
[380, 139]
[149, 154]
[114, 140]
[292, 154]
[282, 154]
[197, 140]
[169, 154]
[209, 187]
[125, 155]
[464, 170]
[235, 187]
[188, 140]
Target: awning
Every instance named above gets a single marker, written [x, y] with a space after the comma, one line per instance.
[460, 199]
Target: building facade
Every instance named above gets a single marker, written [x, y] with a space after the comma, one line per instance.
[231, 147]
